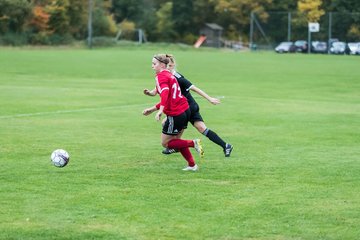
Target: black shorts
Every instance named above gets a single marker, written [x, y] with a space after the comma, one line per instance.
[175, 124]
[195, 115]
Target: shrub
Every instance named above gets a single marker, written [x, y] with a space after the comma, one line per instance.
[14, 39]
[103, 41]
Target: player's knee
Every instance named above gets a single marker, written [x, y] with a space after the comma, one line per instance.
[201, 128]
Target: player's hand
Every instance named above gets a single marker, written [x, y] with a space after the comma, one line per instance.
[147, 111]
[158, 116]
[146, 91]
[214, 101]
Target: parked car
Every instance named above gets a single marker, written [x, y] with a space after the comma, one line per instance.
[353, 48]
[318, 47]
[301, 46]
[285, 47]
[338, 48]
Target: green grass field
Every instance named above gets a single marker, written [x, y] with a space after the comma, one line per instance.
[294, 173]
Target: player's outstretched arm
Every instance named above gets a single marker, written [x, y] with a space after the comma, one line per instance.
[150, 92]
[148, 111]
[212, 100]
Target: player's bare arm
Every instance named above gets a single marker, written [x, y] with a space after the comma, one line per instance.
[159, 113]
[151, 93]
[148, 111]
[212, 100]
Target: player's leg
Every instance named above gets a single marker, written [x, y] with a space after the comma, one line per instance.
[167, 150]
[176, 125]
[201, 127]
[172, 130]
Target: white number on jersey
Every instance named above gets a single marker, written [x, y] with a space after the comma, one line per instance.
[176, 89]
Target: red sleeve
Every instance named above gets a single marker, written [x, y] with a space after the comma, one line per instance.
[163, 90]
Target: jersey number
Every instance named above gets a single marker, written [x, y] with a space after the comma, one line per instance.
[175, 89]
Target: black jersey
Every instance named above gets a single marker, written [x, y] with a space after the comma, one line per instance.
[185, 86]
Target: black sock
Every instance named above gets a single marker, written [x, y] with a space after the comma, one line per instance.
[214, 137]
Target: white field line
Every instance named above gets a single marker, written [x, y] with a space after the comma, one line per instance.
[71, 111]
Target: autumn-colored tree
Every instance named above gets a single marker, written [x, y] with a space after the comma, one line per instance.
[39, 20]
[237, 12]
[311, 9]
[59, 20]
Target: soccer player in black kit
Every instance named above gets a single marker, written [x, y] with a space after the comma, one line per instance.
[195, 118]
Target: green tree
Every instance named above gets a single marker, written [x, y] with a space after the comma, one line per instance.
[59, 21]
[77, 12]
[236, 13]
[343, 5]
[182, 12]
[346, 19]
[127, 9]
[203, 12]
[103, 22]
[283, 5]
[148, 19]
[14, 15]
[165, 25]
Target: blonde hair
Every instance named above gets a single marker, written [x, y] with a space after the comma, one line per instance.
[171, 58]
[163, 58]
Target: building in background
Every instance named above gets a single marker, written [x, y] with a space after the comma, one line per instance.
[213, 33]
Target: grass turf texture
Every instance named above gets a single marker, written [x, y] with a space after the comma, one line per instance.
[294, 173]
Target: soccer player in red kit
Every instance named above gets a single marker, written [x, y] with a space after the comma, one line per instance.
[176, 108]
[195, 118]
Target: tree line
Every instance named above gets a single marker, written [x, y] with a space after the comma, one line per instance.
[45, 22]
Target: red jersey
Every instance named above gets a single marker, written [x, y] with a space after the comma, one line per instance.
[170, 94]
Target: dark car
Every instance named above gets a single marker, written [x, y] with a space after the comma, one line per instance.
[301, 46]
[285, 47]
[353, 48]
[338, 48]
[318, 47]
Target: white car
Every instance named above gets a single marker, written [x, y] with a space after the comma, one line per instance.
[284, 47]
[338, 48]
[353, 48]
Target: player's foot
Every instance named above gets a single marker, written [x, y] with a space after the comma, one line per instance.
[169, 151]
[194, 168]
[198, 147]
[228, 149]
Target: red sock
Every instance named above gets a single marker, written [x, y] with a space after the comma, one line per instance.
[180, 143]
[188, 157]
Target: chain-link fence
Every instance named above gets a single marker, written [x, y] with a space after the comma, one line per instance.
[292, 26]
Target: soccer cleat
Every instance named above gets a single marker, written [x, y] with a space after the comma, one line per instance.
[194, 168]
[198, 147]
[228, 149]
[169, 151]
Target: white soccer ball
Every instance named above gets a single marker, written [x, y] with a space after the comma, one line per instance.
[60, 158]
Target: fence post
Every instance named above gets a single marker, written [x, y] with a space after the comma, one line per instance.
[90, 24]
[309, 39]
[289, 26]
[251, 30]
[330, 23]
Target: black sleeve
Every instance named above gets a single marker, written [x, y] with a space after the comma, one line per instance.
[183, 82]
